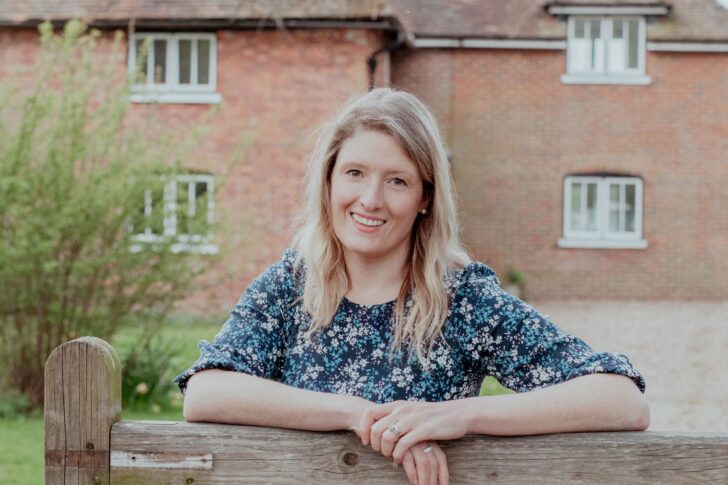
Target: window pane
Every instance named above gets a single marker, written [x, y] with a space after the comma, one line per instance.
[591, 204]
[576, 207]
[185, 58]
[199, 222]
[183, 207]
[203, 61]
[630, 208]
[155, 222]
[613, 208]
[632, 41]
[595, 30]
[579, 28]
[141, 62]
[200, 189]
[617, 46]
[160, 61]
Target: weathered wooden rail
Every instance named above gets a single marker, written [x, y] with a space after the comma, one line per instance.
[86, 443]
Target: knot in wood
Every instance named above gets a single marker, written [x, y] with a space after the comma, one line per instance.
[189, 480]
[89, 446]
[350, 458]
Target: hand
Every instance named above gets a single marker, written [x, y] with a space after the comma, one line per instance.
[416, 422]
[426, 468]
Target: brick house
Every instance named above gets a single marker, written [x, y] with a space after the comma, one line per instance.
[589, 139]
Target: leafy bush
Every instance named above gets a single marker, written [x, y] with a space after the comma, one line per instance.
[74, 173]
[13, 404]
[147, 374]
[515, 277]
[491, 387]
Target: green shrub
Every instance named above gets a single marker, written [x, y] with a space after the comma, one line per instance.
[74, 172]
[147, 375]
[514, 276]
[491, 387]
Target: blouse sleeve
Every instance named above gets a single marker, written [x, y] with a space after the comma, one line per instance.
[520, 347]
[253, 339]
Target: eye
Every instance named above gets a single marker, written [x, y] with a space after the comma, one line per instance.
[399, 182]
[353, 173]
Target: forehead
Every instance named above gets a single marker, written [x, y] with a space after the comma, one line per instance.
[377, 151]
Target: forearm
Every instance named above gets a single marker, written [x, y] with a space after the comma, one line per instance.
[597, 402]
[232, 397]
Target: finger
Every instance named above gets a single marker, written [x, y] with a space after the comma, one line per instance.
[443, 474]
[433, 462]
[409, 468]
[389, 439]
[377, 431]
[422, 463]
[370, 416]
[406, 442]
[365, 425]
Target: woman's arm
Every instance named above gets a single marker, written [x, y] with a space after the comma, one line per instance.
[595, 402]
[221, 396]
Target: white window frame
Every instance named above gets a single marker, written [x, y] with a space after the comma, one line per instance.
[183, 243]
[603, 237]
[171, 91]
[625, 76]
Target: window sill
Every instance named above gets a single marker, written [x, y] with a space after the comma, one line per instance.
[179, 98]
[640, 80]
[601, 244]
[180, 248]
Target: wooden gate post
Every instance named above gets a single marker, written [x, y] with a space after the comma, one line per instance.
[82, 400]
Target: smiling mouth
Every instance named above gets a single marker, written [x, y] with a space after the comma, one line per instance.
[365, 221]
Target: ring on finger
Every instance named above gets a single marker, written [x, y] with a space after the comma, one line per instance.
[428, 449]
[392, 428]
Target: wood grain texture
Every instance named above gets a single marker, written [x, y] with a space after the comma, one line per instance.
[264, 455]
[83, 432]
[82, 401]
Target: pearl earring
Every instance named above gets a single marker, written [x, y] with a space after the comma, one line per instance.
[423, 211]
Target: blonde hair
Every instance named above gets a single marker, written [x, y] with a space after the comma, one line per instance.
[435, 248]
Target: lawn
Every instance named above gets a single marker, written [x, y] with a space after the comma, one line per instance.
[21, 439]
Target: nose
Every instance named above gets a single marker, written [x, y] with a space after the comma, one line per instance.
[371, 197]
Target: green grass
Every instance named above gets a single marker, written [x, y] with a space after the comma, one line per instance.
[21, 451]
[21, 439]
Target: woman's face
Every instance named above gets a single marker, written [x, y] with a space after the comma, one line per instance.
[376, 193]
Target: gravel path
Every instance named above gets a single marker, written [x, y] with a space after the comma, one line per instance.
[680, 347]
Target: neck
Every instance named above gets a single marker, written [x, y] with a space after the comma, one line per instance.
[375, 280]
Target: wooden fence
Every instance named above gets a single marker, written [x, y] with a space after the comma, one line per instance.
[87, 443]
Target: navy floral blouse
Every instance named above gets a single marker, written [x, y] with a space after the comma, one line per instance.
[487, 332]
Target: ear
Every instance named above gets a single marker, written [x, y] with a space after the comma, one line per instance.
[426, 197]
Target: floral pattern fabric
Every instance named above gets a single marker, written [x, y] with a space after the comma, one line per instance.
[487, 332]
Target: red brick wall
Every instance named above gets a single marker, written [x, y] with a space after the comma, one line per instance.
[516, 131]
[276, 88]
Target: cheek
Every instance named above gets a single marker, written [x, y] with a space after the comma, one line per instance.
[340, 197]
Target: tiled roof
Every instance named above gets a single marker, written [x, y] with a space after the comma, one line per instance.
[687, 20]
[28, 11]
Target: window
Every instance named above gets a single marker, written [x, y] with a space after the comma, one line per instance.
[183, 209]
[602, 212]
[608, 50]
[177, 68]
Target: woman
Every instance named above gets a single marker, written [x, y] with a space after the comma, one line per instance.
[378, 322]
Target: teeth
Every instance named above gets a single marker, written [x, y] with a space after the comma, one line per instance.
[366, 222]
